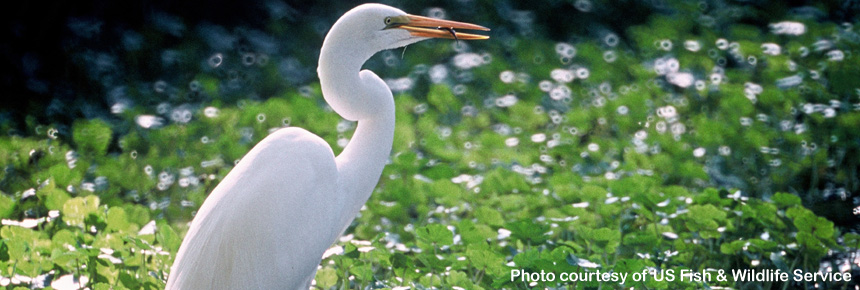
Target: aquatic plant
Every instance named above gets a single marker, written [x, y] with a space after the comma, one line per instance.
[683, 136]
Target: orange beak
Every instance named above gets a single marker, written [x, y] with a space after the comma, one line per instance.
[438, 28]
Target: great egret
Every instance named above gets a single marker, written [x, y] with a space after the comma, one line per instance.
[267, 224]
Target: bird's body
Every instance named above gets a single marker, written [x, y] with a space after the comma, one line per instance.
[225, 247]
[267, 224]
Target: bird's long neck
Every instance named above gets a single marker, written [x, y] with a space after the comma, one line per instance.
[361, 162]
[365, 98]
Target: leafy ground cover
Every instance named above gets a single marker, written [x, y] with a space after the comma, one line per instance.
[689, 141]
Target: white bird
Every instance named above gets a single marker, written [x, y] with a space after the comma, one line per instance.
[267, 224]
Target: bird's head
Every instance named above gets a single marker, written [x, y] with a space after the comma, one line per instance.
[358, 35]
[377, 27]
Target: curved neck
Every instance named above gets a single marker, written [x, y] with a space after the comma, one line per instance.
[360, 164]
[339, 63]
[359, 96]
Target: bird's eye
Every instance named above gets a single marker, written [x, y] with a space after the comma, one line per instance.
[387, 20]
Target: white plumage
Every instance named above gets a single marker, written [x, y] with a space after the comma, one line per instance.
[267, 224]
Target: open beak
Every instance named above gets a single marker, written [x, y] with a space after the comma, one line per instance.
[438, 28]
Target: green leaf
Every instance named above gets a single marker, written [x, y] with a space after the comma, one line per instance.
[15, 233]
[606, 234]
[92, 136]
[4, 252]
[7, 205]
[18, 242]
[139, 243]
[16, 249]
[806, 221]
[708, 196]
[56, 198]
[167, 237]
[128, 280]
[362, 272]
[116, 220]
[446, 192]
[399, 261]
[471, 233]
[460, 279]
[705, 219]
[851, 240]
[350, 251]
[69, 260]
[434, 235]
[808, 240]
[105, 269]
[489, 216]
[503, 181]
[63, 176]
[432, 261]
[593, 193]
[733, 247]
[138, 214]
[64, 238]
[527, 259]
[109, 241]
[641, 238]
[607, 239]
[28, 268]
[76, 210]
[480, 257]
[785, 200]
[102, 286]
[629, 266]
[762, 246]
[528, 231]
[326, 278]
[439, 172]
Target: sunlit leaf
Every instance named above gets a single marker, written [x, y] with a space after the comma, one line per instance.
[77, 209]
[326, 278]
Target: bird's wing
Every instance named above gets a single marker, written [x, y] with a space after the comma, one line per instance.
[267, 224]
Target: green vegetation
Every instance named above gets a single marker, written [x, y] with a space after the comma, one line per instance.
[534, 157]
